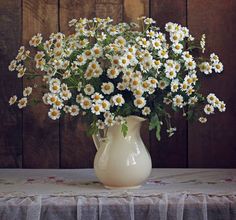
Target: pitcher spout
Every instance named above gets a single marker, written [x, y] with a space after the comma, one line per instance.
[135, 118]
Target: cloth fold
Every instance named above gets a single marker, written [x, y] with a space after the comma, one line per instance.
[182, 194]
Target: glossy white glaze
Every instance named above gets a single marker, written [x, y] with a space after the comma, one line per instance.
[122, 162]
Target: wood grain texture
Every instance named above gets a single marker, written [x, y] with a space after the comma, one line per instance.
[108, 8]
[213, 144]
[77, 149]
[170, 152]
[135, 9]
[70, 9]
[35, 141]
[40, 134]
[10, 118]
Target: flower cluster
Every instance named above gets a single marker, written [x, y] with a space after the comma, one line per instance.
[106, 72]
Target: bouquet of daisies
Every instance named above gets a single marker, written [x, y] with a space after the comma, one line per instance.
[105, 72]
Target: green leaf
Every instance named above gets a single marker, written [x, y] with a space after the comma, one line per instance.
[124, 129]
[158, 132]
[93, 129]
[155, 124]
[176, 109]
[190, 114]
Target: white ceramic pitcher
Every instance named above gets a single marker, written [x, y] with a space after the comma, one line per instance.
[122, 162]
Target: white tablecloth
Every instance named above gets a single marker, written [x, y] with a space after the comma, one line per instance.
[176, 194]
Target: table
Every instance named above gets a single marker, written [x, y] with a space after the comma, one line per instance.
[33, 194]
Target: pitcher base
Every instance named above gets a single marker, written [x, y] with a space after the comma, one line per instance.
[122, 187]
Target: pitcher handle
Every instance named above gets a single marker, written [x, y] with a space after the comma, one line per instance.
[96, 140]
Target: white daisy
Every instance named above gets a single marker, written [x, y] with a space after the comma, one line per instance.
[93, 65]
[89, 89]
[109, 121]
[97, 51]
[39, 55]
[27, 91]
[140, 102]
[54, 113]
[120, 41]
[202, 119]
[184, 86]
[211, 98]
[86, 103]
[150, 33]
[105, 105]
[45, 98]
[153, 82]
[81, 60]
[135, 83]
[190, 65]
[218, 67]
[170, 27]
[112, 73]
[163, 54]
[174, 86]
[66, 94]
[115, 60]
[66, 108]
[193, 100]
[79, 97]
[12, 65]
[58, 104]
[100, 124]
[206, 68]
[146, 111]
[97, 109]
[97, 97]
[214, 58]
[187, 56]
[22, 103]
[121, 86]
[119, 120]
[74, 110]
[54, 88]
[52, 98]
[107, 88]
[177, 66]
[157, 64]
[138, 92]
[89, 73]
[175, 37]
[216, 102]
[118, 100]
[177, 48]
[21, 72]
[162, 84]
[170, 73]
[178, 101]
[124, 61]
[88, 54]
[66, 74]
[156, 43]
[12, 100]
[209, 109]
[222, 106]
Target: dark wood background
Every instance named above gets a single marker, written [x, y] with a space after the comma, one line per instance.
[29, 139]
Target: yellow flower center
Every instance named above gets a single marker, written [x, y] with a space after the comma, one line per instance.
[107, 87]
[118, 99]
[96, 51]
[96, 108]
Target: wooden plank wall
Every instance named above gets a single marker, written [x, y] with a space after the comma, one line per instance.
[29, 139]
